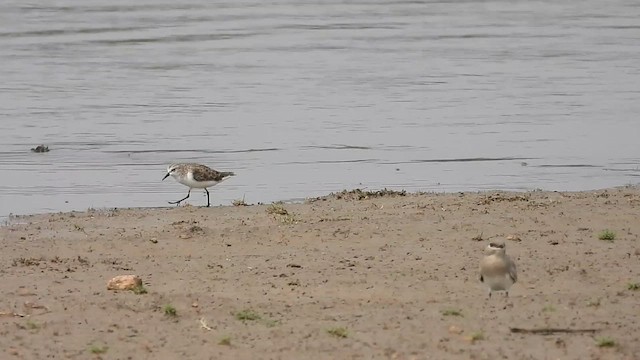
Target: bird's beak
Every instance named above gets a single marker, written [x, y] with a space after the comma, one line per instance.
[166, 176]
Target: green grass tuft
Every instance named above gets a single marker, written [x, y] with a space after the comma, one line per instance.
[139, 290]
[171, 311]
[477, 336]
[96, 349]
[247, 315]
[32, 325]
[339, 332]
[607, 235]
[452, 312]
[605, 342]
[225, 340]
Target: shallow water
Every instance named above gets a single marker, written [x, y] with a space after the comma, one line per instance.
[301, 98]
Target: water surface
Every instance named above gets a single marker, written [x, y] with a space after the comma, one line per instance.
[301, 98]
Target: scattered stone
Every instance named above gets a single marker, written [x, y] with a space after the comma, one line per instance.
[513, 238]
[478, 237]
[455, 330]
[124, 282]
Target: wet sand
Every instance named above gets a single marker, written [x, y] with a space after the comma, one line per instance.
[343, 277]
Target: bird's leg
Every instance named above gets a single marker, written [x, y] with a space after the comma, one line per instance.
[506, 294]
[208, 203]
[181, 200]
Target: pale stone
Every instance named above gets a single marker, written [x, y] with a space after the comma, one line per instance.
[124, 282]
[513, 238]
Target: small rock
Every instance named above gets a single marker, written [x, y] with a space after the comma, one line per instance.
[477, 238]
[455, 330]
[124, 282]
[513, 238]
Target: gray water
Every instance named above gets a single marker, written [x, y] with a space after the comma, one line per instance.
[301, 98]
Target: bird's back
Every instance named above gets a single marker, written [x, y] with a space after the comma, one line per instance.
[204, 173]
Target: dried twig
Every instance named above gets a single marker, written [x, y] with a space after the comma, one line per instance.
[203, 324]
[4, 313]
[549, 331]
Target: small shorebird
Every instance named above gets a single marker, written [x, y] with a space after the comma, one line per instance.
[497, 270]
[195, 176]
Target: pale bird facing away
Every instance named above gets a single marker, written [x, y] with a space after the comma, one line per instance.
[497, 270]
[195, 176]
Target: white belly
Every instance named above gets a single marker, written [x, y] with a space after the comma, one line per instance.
[497, 283]
[192, 183]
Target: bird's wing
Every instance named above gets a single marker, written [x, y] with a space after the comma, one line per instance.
[513, 271]
[204, 173]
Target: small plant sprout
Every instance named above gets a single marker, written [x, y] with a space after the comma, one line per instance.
[98, 349]
[549, 308]
[139, 290]
[171, 311]
[605, 342]
[338, 332]
[452, 312]
[607, 235]
[633, 286]
[477, 336]
[247, 315]
[225, 340]
[32, 325]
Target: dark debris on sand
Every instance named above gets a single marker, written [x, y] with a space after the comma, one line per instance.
[359, 194]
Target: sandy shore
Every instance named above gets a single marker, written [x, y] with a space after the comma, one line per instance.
[337, 278]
